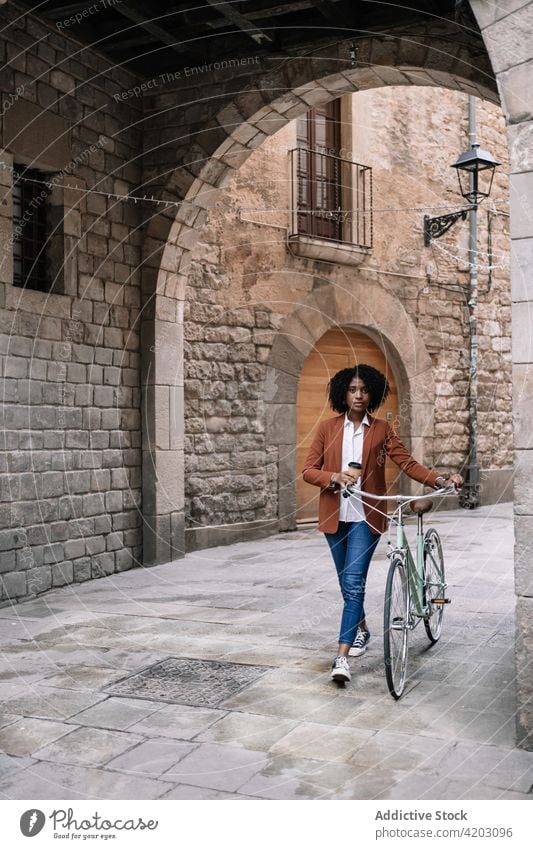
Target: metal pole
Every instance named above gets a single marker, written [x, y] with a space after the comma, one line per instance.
[470, 499]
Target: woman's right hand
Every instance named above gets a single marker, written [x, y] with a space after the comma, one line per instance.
[345, 478]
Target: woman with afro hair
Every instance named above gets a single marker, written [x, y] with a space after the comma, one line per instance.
[353, 526]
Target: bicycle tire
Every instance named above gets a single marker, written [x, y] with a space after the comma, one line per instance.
[396, 627]
[434, 582]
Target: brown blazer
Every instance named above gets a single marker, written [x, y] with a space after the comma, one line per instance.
[325, 457]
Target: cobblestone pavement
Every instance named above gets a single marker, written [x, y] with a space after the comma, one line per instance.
[76, 724]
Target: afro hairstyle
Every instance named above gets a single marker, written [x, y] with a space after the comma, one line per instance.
[376, 383]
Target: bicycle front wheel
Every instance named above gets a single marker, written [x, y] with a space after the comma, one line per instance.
[396, 627]
[434, 584]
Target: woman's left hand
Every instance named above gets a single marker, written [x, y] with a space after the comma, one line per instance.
[455, 480]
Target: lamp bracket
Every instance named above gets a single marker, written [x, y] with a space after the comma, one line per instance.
[434, 228]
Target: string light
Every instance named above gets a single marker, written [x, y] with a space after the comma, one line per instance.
[345, 213]
[52, 184]
[340, 211]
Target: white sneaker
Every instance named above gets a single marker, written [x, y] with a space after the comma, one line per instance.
[340, 670]
[360, 643]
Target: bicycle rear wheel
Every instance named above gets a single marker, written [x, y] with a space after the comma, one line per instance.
[434, 584]
[396, 627]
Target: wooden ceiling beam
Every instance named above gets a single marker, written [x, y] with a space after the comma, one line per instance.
[328, 11]
[243, 23]
[155, 30]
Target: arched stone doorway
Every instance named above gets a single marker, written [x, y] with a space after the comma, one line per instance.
[390, 330]
[338, 348]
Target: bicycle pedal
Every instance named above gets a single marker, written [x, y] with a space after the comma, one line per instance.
[441, 601]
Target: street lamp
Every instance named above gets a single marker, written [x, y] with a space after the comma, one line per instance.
[475, 171]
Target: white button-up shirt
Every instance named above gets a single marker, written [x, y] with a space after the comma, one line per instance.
[351, 509]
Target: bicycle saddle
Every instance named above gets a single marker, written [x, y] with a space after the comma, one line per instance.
[421, 505]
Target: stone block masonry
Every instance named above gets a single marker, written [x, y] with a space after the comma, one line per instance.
[70, 423]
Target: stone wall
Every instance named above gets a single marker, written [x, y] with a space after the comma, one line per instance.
[70, 429]
[244, 284]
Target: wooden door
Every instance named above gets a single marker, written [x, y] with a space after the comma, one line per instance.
[337, 349]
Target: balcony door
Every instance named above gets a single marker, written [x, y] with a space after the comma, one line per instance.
[319, 172]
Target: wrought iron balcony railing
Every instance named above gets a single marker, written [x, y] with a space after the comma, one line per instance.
[331, 198]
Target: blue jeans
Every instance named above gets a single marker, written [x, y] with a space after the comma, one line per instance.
[352, 547]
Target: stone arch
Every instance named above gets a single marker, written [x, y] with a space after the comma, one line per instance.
[239, 127]
[232, 133]
[387, 323]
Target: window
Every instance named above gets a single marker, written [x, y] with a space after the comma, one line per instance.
[331, 195]
[44, 254]
[31, 259]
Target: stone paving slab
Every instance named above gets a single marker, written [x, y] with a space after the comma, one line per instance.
[291, 735]
[10, 764]
[288, 777]
[87, 747]
[180, 722]
[216, 766]
[508, 770]
[48, 703]
[152, 758]
[248, 730]
[290, 704]
[28, 735]
[63, 781]
[369, 784]
[79, 677]
[398, 750]
[116, 714]
[322, 742]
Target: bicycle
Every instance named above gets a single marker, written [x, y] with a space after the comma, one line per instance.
[415, 589]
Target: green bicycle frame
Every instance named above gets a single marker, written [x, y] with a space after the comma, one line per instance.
[415, 571]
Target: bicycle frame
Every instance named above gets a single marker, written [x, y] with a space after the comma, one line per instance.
[415, 569]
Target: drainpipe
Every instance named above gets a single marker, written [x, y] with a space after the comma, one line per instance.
[470, 496]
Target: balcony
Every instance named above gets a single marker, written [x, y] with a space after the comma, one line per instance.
[331, 207]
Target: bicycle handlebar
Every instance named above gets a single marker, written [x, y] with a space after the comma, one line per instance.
[403, 499]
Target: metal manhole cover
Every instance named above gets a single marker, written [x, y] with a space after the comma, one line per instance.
[187, 681]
